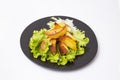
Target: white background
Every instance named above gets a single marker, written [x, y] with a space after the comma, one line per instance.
[101, 15]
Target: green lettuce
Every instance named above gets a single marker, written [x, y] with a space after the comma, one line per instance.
[63, 60]
[34, 44]
[71, 55]
[82, 41]
[53, 58]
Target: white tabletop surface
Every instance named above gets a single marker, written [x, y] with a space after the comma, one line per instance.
[101, 15]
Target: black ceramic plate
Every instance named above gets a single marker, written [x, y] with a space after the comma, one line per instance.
[79, 62]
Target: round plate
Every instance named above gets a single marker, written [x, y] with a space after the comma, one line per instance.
[80, 61]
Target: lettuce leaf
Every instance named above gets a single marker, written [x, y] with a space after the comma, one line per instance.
[35, 40]
[78, 34]
[53, 58]
[63, 60]
[82, 41]
[71, 55]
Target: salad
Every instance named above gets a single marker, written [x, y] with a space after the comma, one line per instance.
[59, 44]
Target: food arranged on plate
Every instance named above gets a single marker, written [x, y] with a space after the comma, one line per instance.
[60, 44]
